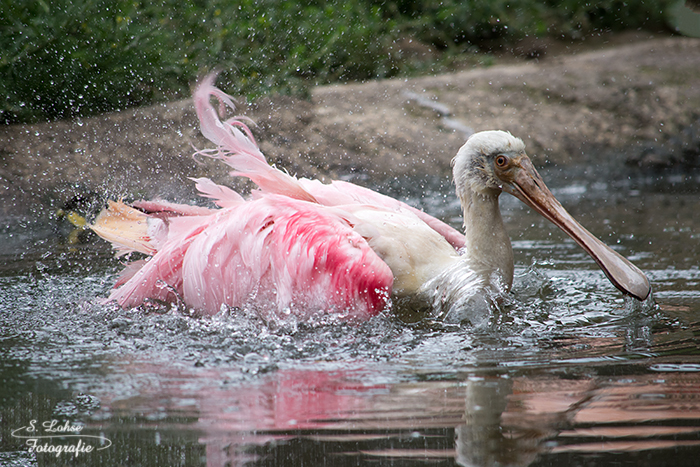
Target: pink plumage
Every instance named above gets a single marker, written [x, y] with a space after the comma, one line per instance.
[296, 246]
[274, 252]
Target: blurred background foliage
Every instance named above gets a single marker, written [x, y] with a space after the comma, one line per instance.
[69, 58]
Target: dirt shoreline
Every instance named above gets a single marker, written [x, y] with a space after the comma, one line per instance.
[634, 100]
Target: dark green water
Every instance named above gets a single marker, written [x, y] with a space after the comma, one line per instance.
[568, 373]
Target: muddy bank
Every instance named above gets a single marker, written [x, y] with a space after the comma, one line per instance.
[636, 102]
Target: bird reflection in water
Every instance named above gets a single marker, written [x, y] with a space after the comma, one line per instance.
[481, 419]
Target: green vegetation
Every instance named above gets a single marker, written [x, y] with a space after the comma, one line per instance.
[67, 58]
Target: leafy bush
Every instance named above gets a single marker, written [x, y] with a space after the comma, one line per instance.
[68, 58]
[450, 22]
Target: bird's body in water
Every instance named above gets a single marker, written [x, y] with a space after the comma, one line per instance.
[306, 248]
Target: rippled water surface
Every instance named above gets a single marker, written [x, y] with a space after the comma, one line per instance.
[567, 373]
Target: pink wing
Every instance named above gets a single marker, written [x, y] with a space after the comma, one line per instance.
[294, 254]
[237, 148]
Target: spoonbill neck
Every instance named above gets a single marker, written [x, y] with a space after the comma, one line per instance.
[487, 242]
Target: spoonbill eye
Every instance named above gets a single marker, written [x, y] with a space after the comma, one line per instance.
[501, 161]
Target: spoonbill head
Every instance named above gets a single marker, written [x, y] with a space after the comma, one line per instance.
[492, 162]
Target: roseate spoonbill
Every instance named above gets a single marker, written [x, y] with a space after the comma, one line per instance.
[297, 246]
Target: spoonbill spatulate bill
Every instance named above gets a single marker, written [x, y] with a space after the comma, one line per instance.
[301, 247]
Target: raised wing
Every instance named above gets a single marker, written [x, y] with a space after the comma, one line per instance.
[237, 148]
